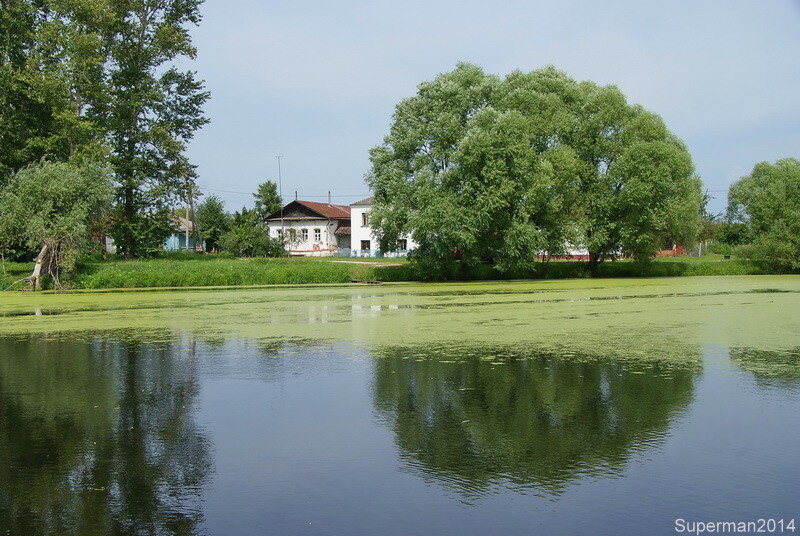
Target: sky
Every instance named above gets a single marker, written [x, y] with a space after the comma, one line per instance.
[317, 82]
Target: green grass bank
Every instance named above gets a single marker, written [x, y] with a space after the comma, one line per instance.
[180, 270]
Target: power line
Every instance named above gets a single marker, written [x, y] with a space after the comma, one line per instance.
[251, 193]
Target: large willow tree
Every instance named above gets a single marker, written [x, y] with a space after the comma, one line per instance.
[479, 167]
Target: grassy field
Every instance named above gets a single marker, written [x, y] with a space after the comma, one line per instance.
[218, 270]
[13, 271]
[179, 270]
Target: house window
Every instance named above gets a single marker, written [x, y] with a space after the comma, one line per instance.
[278, 232]
[364, 221]
[402, 244]
[317, 235]
[365, 245]
[304, 234]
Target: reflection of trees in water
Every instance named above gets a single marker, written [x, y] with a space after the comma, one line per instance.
[97, 437]
[771, 368]
[532, 422]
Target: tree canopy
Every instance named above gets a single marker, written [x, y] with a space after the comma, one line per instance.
[154, 110]
[267, 199]
[51, 206]
[50, 55]
[505, 169]
[767, 203]
[248, 237]
[212, 221]
[102, 78]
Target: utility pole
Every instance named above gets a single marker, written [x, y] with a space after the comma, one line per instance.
[280, 193]
[186, 225]
[193, 222]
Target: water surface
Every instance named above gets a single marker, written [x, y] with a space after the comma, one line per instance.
[580, 407]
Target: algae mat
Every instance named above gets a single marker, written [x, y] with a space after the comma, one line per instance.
[656, 319]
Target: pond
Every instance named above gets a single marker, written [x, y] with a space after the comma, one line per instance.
[570, 407]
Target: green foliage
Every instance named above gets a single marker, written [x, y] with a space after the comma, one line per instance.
[248, 237]
[100, 77]
[210, 270]
[720, 248]
[731, 233]
[180, 270]
[267, 199]
[767, 204]
[154, 109]
[53, 205]
[147, 229]
[480, 168]
[13, 271]
[49, 56]
[212, 221]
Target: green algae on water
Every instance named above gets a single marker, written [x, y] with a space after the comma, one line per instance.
[654, 320]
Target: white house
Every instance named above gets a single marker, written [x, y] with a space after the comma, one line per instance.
[311, 228]
[322, 229]
[362, 237]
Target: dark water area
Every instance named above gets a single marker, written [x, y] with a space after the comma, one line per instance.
[169, 432]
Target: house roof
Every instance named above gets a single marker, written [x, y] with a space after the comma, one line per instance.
[344, 230]
[183, 223]
[325, 210]
[365, 201]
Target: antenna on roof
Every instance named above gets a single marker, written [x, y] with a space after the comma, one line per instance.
[295, 195]
[329, 197]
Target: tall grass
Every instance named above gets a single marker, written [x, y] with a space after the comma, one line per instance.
[187, 270]
[204, 271]
[13, 271]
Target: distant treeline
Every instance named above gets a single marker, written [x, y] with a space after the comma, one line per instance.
[97, 109]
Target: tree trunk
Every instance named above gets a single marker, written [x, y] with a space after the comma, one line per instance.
[43, 266]
[595, 259]
[127, 235]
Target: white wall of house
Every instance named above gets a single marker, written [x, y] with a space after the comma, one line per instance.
[361, 233]
[313, 236]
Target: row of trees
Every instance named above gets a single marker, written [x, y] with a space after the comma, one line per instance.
[96, 84]
[93, 107]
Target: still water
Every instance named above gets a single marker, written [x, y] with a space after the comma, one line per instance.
[581, 407]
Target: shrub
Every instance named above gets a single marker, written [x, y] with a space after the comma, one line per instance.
[720, 248]
[248, 237]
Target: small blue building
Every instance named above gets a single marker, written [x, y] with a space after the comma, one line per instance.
[176, 241]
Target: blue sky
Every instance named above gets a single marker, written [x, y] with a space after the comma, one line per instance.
[317, 81]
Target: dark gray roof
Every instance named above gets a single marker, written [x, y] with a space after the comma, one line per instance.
[365, 201]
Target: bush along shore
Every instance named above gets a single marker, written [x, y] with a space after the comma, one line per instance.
[182, 270]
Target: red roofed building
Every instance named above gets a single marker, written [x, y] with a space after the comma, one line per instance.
[312, 228]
